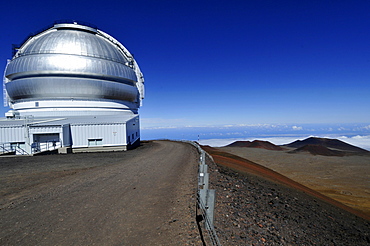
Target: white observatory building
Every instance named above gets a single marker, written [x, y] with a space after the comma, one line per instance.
[73, 88]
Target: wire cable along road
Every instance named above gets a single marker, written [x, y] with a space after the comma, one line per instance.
[145, 196]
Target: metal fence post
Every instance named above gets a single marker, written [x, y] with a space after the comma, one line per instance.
[206, 197]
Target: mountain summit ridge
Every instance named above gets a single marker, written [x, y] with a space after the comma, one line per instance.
[329, 143]
[312, 145]
[256, 144]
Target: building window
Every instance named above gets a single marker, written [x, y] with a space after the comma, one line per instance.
[36, 104]
[95, 142]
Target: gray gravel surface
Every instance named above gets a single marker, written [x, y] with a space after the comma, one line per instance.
[144, 196]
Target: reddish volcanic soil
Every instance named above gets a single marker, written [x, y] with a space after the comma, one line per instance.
[246, 166]
[257, 206]
[340, 175]
[256, 144]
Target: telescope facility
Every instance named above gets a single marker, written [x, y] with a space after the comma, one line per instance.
[71, 88]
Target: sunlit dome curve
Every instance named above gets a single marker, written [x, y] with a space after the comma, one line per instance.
[72, 61]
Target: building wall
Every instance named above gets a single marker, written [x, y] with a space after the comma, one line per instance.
[133, 130]
[76, 135]
[89, 135]
[12, 134]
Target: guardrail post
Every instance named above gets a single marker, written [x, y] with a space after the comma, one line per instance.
[206, 197]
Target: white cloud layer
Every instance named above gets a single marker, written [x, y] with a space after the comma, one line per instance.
[297, 128]
[359, 141]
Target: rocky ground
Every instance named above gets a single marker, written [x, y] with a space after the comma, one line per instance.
[342, 178]
[253, 210]
[52, 200]
[145, 196]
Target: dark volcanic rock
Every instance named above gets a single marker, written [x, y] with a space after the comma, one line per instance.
[318, 150]
[239, 144]
[255, 144]
[251, 210]
[327, 142]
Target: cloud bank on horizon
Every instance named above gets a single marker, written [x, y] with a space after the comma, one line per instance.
[356, 134]
[267, 128]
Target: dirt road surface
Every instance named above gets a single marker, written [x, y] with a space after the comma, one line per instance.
[144, 196]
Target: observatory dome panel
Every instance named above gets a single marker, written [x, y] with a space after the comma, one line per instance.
[60, 88]
[73, 42]
[69, 63]
[44, 64]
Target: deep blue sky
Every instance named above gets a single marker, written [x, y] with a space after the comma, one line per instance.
[228, 62]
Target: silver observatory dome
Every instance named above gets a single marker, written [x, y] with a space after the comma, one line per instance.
[73, 69]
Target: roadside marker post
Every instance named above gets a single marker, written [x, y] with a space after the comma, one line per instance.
[206, 197]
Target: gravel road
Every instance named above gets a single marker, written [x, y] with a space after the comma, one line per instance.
[144, 196]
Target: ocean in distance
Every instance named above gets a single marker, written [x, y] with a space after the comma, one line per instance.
[356, 134]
